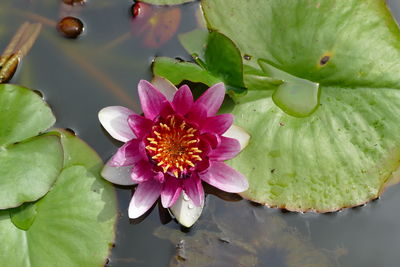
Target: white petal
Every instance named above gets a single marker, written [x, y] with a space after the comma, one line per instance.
[115, 120]
[165, 87]
[117, 175]
[185, 211]
[146, 194]
[239, 134]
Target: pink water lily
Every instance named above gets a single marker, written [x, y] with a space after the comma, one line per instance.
[176, 145]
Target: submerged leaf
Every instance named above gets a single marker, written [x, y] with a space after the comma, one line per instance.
[156, 25]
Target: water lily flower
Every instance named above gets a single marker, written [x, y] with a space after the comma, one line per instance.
[176, 145]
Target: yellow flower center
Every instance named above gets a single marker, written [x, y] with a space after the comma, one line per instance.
[173, 144]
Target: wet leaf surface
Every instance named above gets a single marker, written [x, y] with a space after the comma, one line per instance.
[343, 154]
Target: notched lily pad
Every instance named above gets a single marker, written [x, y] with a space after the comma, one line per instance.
[344, 154]
[29, 165]
[77, 217]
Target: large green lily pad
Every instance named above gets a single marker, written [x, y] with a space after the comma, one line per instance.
[29, 165]
[345, 152]
[73, 225]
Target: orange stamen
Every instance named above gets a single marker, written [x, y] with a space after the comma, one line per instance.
[173, 145]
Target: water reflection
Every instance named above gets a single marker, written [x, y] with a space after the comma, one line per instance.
[237, 234]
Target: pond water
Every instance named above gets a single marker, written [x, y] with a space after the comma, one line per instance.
[102, 68]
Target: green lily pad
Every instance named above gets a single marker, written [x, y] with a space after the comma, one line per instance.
[223, 59]
[24, 215]
[218, 60]
[29, 169]
[177, 71]
[29, 165]
[344, 153]
[73, 225]
[195, 42]
[297, 97]
[166, 2]
[23, 114]
[323, 162]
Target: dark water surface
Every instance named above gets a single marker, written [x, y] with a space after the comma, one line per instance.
[102, 68]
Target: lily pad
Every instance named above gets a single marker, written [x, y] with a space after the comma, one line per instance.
[297, 97]
[177, 71]
[195, 42]
[344, 153]
[73, 225]
[23, 114]
[29, 165]
[29, 169]
[218, 60]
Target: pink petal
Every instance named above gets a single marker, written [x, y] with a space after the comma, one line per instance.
[225, 178]
[212, 98]
[212, 139]
[117, 175]
[115, 120]
[142, 171]
[197, 115]
[183, 100]
[171, 191]
[144, 197]
[151, 99]
[217, 124]
[128, 154]
[165, 87]
[227, 149]
[194, 189]
[202, 165]
[139, 125]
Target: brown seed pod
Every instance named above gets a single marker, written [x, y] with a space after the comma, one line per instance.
[70, 27]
